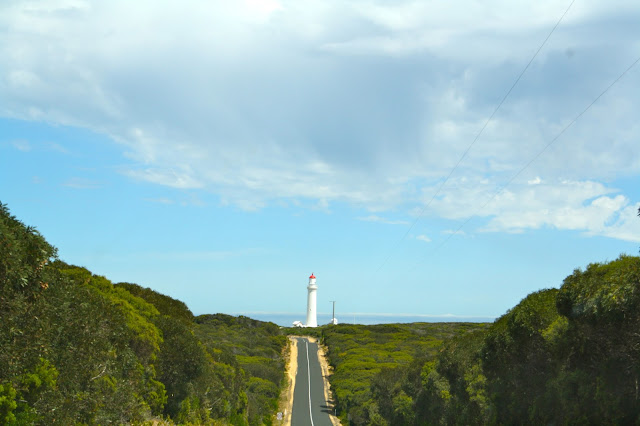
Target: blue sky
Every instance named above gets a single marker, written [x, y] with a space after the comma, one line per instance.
[221, 152]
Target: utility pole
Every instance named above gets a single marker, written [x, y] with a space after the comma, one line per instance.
[333, 315]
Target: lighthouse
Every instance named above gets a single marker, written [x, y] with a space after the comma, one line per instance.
[312, 317]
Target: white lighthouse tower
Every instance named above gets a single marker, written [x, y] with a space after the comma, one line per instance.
[312, 317]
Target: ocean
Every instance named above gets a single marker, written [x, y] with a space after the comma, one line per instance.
[287, 319]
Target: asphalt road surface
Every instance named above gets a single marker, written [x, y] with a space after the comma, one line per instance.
[309, 404]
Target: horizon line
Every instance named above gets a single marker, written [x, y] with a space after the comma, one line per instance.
[377, 314]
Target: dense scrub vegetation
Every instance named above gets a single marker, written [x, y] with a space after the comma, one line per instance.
[366, 360]
[75, 348]
[254, 346]
[561, 356]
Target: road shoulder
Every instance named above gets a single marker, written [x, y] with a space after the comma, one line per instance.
[286, 396]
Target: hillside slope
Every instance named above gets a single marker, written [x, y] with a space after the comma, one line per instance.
[561, 356]
[75, 348]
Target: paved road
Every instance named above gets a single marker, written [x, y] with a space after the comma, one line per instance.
[309, 404]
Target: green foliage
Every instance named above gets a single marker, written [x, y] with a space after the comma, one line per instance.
[517, 358]
[23, 255]
[64, 348]
[101, 377]
[600, 351]
[377, 367]
[603, 293]
[139, 313]
[183, 366]
[254, 349]
[453, 385]
[402, 408]
[7, 403]
[17, 399]
[561, 356]
[164, 304]
[34, 383]
[75, 349]
[192, 413]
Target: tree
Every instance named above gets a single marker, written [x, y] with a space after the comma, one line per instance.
[518, 360]
[76, 349]
[602, 345]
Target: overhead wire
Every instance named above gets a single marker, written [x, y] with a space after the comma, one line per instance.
[466, 151]
[535, 157]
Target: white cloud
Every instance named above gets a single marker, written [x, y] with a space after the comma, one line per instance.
[437, 28]
[168, 177]
[52, 146]
[423, 238]
[24, 80]
[21, 145]
[369, 103]
[262, 10]
[535, 181]
[585, 206]
[625, 224]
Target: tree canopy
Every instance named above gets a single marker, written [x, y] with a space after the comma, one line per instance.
[561, 356]
[77, 349]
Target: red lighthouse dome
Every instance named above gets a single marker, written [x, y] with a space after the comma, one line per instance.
[312, 276]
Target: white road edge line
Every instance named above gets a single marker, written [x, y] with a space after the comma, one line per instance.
[309, 381]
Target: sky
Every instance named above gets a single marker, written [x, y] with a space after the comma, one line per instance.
[220, 152]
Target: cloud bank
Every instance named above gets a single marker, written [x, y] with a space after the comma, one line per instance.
[366, 103]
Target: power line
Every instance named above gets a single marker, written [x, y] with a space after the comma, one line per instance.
[535, 157]
[464, 154]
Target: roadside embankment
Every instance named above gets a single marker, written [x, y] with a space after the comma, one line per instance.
[286, 396]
